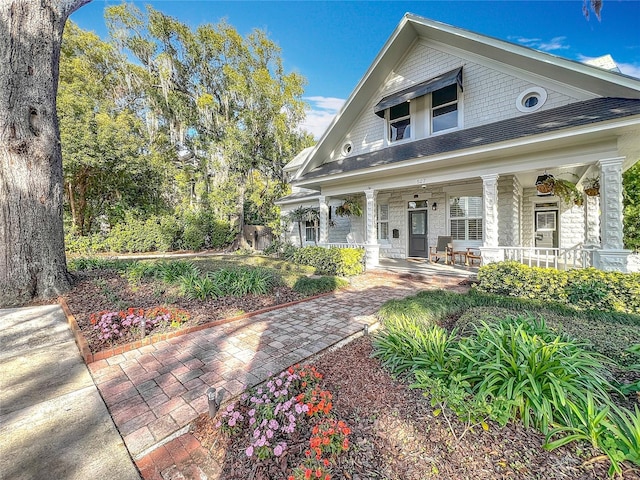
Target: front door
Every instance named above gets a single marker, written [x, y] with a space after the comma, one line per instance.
[547, 229]
[418, 243]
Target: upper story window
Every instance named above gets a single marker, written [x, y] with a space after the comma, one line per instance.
[399, 122]
[444, 109]
[436, 108]
[383, 222]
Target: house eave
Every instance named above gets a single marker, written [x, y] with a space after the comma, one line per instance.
[571, 136]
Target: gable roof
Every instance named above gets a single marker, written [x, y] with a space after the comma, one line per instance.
[587, 78]
[545, 121]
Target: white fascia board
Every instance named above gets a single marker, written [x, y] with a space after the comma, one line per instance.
[297, 200]
[495, 148]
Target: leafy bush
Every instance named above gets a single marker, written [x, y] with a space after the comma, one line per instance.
[331, 261]
[85, 245]
[317, 285]
[135, 236]
[191, 231]
[608, 335]
[584, 289]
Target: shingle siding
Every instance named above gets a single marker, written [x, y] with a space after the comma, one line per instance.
[489, 95]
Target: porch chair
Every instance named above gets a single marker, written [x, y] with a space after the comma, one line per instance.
[355, 239]
[444, 248]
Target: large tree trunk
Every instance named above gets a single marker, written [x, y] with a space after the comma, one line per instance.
[32, 258]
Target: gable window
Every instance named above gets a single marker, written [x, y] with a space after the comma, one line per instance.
[465, 218]
[444, 108]
[399, 122]
[383, 222]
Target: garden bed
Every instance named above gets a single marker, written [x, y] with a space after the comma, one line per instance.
[394, 435]
[107, 290]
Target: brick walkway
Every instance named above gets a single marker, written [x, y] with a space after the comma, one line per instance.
[154, 392]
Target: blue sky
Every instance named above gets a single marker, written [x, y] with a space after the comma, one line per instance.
[332, 43]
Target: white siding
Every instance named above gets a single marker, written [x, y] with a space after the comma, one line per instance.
[489, 96]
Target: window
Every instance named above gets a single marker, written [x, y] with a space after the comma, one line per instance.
[312, 233]
[444, 108]
[531, 99]
[465, 218]
[383, 222]
[399, 122]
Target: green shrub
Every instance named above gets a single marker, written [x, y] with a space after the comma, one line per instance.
[198, 287]
[584, 289]
[608, 335]
[331, 261]
[315, 286]
[135, 236]
[85, 245]
[237, 282]
[166, 271]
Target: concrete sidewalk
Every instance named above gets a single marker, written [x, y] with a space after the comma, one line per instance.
[53, 422]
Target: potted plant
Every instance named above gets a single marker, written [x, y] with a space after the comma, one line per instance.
[544, 183]
[349, 207]
[567, 191]
[592, 186]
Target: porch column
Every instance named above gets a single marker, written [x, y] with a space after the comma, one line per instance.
[324, 220]
[612, 256]
[591, 226]
[490, 235]
[372, 247]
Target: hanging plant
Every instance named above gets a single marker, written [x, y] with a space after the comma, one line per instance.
[349, 207]
[567, 191]
[544, 183]
[592, 186]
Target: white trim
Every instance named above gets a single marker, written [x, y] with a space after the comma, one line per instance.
[531, 92]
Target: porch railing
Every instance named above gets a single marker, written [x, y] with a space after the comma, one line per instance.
[561, 258]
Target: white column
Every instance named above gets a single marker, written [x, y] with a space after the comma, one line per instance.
[612, 255]
[324, 219]
[490, 234]
[592, 221]
[372, 247]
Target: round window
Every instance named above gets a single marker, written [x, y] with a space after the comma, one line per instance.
[346, 148]
[531, 99]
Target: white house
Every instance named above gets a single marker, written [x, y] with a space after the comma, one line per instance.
[447, 133]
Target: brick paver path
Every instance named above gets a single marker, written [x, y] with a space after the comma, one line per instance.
[156, 390]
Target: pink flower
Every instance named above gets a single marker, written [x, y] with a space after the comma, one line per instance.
[249, 451]
[277, 451]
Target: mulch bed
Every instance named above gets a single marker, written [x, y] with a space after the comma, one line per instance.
[395, 436]
[98, 290]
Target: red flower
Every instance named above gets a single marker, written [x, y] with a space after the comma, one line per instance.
[307, 474]
[318, 473]
[345, 444]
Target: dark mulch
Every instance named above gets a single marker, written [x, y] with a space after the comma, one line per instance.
[98, 290]
[395, 436]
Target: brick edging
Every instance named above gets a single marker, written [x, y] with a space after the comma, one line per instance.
[89, 357]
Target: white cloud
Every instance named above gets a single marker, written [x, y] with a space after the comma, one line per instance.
[556, 43]
[323, 110]
[630, 69]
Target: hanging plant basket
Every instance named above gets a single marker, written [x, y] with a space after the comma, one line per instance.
[592, 186]
[349, 207]
[544, 183]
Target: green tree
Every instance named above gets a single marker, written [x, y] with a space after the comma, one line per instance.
[32, 256]
[107, 156]
[223, 98]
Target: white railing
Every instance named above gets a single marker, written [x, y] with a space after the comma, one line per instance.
[561, 258]
[341, 245]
